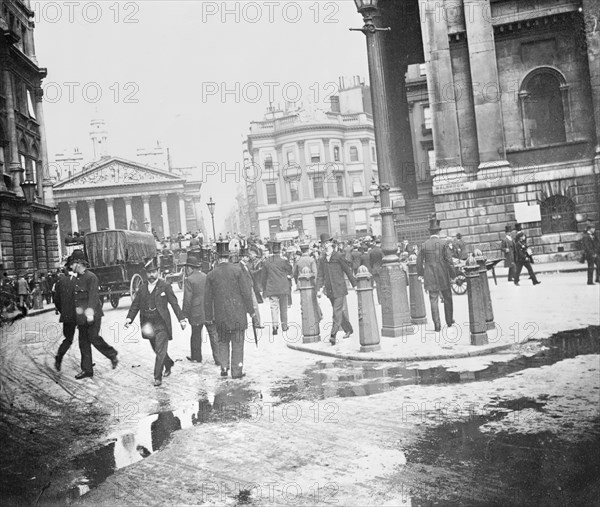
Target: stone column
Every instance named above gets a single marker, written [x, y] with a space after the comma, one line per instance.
[128, 214]
[147, 215]
[310, 313]
[16, 171]
[165, 215]
[368, 166]
[110, 212]
[304, 180]
[328, 172]
[74, 223]
[199, 215]
[367, 317]
[476, 303]
[92, 213]
[44, 184]
[182, 217]
[592, 32]
[440, 87]
[485, 89]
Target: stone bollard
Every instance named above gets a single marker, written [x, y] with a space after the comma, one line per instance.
[418, 315]
[38, 300]
[487, 299]
[367, 318]
[477, 323]
[311, 331]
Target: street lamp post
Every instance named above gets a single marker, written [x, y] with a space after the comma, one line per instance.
[395, 309]
[211, 207]
[328, 208]
[29, 187]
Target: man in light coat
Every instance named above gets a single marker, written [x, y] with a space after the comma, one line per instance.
[276, 276]
[193, 309]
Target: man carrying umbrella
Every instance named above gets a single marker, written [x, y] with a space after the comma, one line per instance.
[152, 302]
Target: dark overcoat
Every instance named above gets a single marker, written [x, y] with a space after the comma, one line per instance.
[164, 296]
[64, 299]
[507, 245]
[434, 264]
[246, 271]
[334, 269]
[590, 248]
[376, 258]
[276, 271]
[193, 298]
[228, 298]
[88, 306]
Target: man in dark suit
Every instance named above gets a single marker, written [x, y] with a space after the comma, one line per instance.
[590, 253]
[193, 309]
[434, 264]
[507, 245]
[152, 302]
[376, 257]
[88, 315]
[523, 258]
[276, 276]
[246, 270]
[64, 302]
[330, 279]
[227, 300]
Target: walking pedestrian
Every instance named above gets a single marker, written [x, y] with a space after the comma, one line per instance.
[152, 303]
[306, 260]
[246, 270]
[194, 290]
[227, 300]
[22, 290]
[88, 315]
[64, 302]
[376, 258]
[523, 258]
[590, 246]
[435, 265]
[330, 280]
[276, 276]
[507, 245]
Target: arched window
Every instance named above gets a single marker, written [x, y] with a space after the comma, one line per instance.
[543, 110]
[558, 215]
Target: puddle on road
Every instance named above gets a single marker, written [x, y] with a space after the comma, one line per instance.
[324, 380]
[344, 378]
[457, 464]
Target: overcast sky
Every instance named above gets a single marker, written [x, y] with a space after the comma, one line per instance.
[159, 70]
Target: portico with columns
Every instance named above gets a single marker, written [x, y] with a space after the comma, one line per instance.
[116, 193]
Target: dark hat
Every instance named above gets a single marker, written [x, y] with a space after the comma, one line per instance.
[193, 261]
[518, 227]
[223, 248]
[150, 264]
[78, 256]
[507, 228]
[304, 247]
[274, 246]
[434, 225]
[325, 237]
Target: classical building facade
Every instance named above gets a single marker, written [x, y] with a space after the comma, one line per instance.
[28, 238]
[311, 170]
[514, 95]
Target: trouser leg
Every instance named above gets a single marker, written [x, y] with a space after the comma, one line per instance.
[256, 318]
[196, 343]
[518, 268]
[98, 342]
[511, 272]
[337, 307]
[530, 271]
[214, 342]
[598, 268]
[224, 355]
[283, 311]
[161, 345]
[590, 270]
[448, 306]
[69, 333]
[346, 326]
[85, 348]
[435, 310]
[274, 303]
[237, 353]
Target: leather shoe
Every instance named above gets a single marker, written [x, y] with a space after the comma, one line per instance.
[57, 363]
[537, 282]
[224, 372]
[517, 284]
[193, 360]
[275, 329]
[83, 374]
[284, 327]
[114, 361]
[332, 340]
[239, 376]
[157, 383]
[347, 335]
[167, 371]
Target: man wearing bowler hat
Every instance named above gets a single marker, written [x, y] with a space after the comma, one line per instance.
[64, 302]
[435, 265]
[88, 316]
[330, 279]
[227, 300]
[193, 309]
[152, 302]
[276, 276]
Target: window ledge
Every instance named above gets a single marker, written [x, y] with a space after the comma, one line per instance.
[546, 146]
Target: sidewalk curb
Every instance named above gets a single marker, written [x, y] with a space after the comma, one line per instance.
[33, 313]
[354, 357]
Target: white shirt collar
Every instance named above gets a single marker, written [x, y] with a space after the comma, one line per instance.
[151, 286]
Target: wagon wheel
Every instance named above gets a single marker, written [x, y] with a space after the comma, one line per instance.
[114, 300]
[459, 284]
[135, 284]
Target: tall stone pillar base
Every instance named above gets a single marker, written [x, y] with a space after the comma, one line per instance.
[418, 314]
[487, 298]
[311, 331]
[395, 308]
[477, 322]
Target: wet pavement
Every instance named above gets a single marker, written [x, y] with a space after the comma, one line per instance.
[521, 425]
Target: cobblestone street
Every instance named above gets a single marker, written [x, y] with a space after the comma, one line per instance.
[288, 432]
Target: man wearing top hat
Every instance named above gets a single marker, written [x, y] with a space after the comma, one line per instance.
[152, 302]
[193, 309]
[245, 254]
[88, 315]
[276, 276]
[330, 279]
[435, 265]
[507, 245]
[227, 300]
[64, 302]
